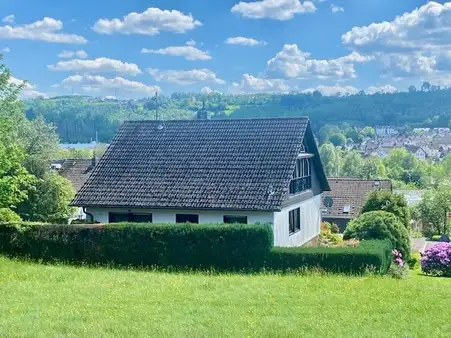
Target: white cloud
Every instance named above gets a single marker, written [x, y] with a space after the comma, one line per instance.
[150, 22]
[99, 65]
[414, 44]
[91, 83]
[426, 27]
[47, 29]
[386, 89]
[291, 62]
[336, 9]
[206, 90]
[9, 19]
[29, 91]
[191, 42]
[336, 90]
[6, 50]
[252, 84]
[188, 52]
[185, 77]
[273, 9]
[81, 54]
[240, 40]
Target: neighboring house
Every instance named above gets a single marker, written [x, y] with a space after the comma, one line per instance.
[418, 152]
[348, 196]
[384, 131]
[413, 197]
[212, 171]
[444, 150]
[77, 172]
[370, 148]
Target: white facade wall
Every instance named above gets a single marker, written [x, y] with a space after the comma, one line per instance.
[310, 219]
[310, 223]
[168, 215]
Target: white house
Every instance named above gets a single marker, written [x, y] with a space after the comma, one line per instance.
[384, 131]
[418, 152]
[212, 171]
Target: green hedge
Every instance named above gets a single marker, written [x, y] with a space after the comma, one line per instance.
[193, 246]
[222, 246]
[369, 255]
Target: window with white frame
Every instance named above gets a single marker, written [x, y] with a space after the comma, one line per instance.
[302, 176]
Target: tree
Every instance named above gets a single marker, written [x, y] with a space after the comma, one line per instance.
[331, 159]
[338, 139]
[353, 134]
[49, 201]
[434, 208]
[385, 200]
[8, 216]
[412, 89]
[426, 86]
[400, 165]
[380, 225]
[352, 164]
[373, 168]
[369, 132]
[15, 181]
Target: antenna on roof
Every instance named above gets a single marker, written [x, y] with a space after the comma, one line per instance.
[155, 99]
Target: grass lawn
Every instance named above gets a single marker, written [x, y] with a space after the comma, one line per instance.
[61, 301]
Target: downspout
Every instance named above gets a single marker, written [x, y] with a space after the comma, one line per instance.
[87, 213]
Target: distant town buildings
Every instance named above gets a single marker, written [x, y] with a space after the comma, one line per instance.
[423, 143]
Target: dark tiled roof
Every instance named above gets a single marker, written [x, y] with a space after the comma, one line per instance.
[203, 164]
[351, 192]
[77, 171]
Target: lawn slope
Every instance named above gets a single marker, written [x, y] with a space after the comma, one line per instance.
[50, 301]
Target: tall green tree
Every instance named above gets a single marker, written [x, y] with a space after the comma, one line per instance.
[331, 159]
[352, 164]
[435, 207]
[338, 139]
[49, 200]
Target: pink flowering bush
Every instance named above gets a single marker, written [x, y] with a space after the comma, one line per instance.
[437, 260]
[397, 268]
[397, 257]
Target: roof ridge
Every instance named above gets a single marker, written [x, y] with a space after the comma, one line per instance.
[217, 120]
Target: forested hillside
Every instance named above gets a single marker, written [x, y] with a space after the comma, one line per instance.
[77, 118]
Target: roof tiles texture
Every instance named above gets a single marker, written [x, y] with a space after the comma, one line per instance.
[77, 171]
[198, 164]
[353, 192]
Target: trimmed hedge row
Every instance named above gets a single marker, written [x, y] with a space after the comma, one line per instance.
[223, 246]
[369, 255]
[192, 246]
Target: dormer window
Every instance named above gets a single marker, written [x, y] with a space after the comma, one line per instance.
[302, 176]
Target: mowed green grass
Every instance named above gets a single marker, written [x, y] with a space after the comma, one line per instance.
[64, 301]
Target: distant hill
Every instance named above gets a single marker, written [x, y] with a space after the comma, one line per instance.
[77, 118]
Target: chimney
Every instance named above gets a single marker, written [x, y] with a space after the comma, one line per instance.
[203, 114]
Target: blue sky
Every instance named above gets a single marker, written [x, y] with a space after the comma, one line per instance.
[134, 48]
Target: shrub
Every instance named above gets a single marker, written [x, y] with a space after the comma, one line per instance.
[380, 225]
[414, 260]
[436, 238]
[385, 200]
[222, 246]
[327, 237]
[332, 227]
[398, 269]
[369, 255]
[436, 261]
[8, 216]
